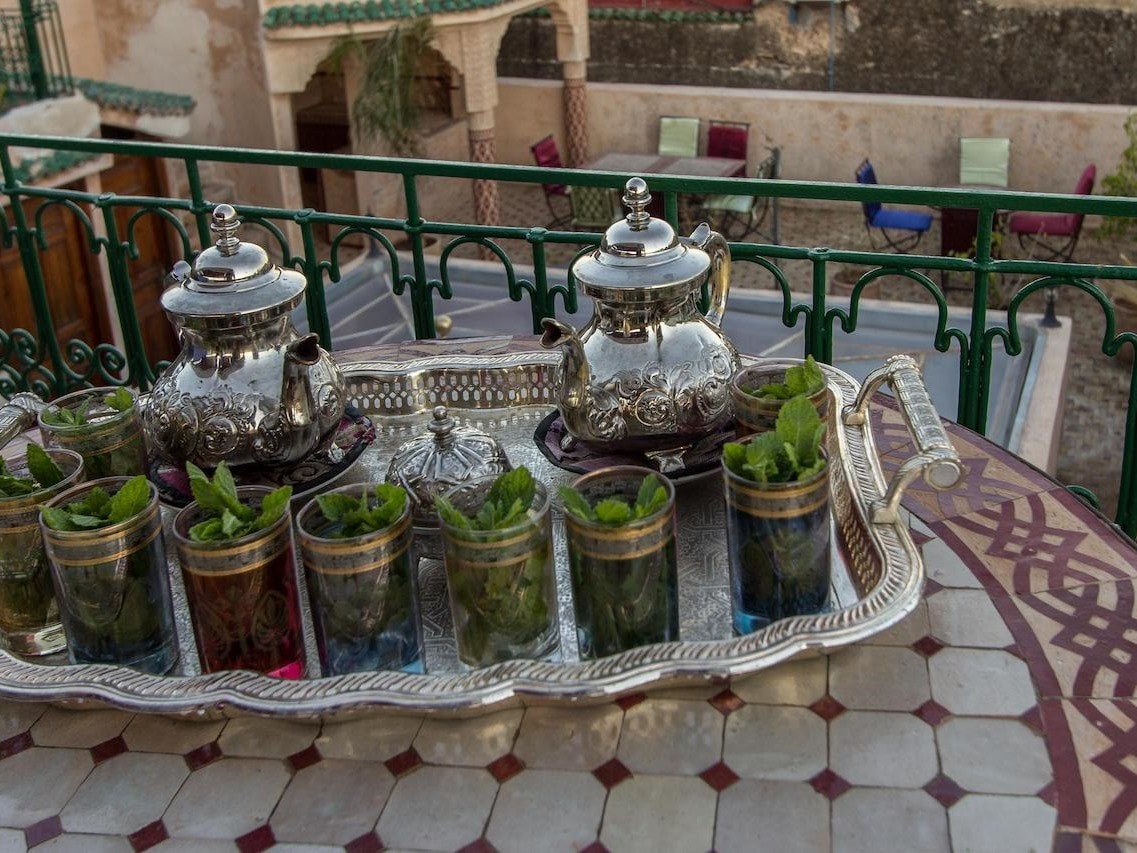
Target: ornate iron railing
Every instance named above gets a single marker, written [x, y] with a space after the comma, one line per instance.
[35, 360]
[33, 54]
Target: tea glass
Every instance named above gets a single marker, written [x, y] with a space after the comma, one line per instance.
[363, 592]
[242, 594]
[111, 442]
[113, 586]
[625, 578]
[29, 614]
[501, 583]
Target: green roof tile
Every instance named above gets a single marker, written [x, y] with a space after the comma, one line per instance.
[315, 15]
[52, 163]
[144, 101]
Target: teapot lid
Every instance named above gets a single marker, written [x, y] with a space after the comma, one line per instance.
[640, 253]
[231, 283]
[447, 456]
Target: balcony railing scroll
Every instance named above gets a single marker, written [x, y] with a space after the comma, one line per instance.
[33, 359]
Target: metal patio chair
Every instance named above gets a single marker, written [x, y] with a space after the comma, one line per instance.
[984, 160]
[593, 208]
[738, 216]
[1052, 236]
[900, 230]
[548, 156]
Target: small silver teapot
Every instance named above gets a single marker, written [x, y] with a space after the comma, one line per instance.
[649, 370]
[247, 387]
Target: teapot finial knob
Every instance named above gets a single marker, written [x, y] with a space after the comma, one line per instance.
[637, 198]
[225, 224]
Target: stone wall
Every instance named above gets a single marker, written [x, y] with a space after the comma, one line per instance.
[1046, 50]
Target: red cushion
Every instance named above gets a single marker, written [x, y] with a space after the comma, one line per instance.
[725, 140]
[1053, 224]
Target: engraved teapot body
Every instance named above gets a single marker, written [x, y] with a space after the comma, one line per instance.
[648, 370]
[247, 387]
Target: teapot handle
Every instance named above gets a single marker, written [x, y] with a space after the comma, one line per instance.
[713, 244]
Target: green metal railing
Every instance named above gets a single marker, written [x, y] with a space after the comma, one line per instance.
[33, 359]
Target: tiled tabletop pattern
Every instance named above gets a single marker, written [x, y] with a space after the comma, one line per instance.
[999, 716]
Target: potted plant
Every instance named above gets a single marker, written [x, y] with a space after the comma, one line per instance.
[497, 549]
[621, 526]
[235, 548]
[108, 561]
[29, 614]
[778, 523]
[355, 542]
[758, 392]
[103, 427]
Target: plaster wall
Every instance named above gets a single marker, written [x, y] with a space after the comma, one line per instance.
[911, 140]
[80, 28]
[209, 49]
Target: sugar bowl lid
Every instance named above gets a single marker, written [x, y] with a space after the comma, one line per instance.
[430, 465]
[231, 283]
[641, 253]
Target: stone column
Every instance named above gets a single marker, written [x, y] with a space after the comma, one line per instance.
[483, 149]
[576, 113]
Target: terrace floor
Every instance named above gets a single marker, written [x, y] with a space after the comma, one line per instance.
[1097, 387]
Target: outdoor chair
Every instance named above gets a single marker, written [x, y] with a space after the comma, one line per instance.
[593, 208]
[984, 160]
[738, 216]
[547, 156]
[1052, 236]
[727, 139]
[678, 136]
[900, 230]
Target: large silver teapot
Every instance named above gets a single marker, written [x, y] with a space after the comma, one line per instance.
[649, 370]
[246, 388]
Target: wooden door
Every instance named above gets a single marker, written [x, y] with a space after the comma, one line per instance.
[71, 278]
[140, 176]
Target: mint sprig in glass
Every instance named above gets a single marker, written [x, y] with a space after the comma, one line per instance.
[621, 531]
[497, 549]
[103, 426]
[356, 545]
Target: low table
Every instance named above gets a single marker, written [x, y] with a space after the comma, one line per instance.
[999, 715]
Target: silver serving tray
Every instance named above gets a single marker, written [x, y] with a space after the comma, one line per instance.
[506, 386]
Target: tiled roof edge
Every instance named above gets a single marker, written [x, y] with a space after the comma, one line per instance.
[146, 101]
[362, 11]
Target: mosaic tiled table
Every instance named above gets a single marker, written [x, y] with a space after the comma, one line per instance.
[999, 716]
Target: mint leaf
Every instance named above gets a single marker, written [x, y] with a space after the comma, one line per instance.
[42, 467]
[231, 526]
[772, 391]
[120, 399]
[576, 503]
[451, 514]
[11, 487]
[129, 500]
[652, 497]
[217, 495]
[57, 519]
[273, 506]
[94, 502]
[336, 506]
[765, 459]
[799, 426]
[510, 487]
[805, 378]
[207, 531]
[734, 457]
[612, 511]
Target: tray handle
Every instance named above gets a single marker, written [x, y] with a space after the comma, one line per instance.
[936, 459]
[20, 413]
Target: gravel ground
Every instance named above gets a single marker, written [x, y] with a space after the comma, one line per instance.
[1097, 387]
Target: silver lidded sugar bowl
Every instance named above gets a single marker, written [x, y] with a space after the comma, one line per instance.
[648, 370]
[246, 388]
[445, 456]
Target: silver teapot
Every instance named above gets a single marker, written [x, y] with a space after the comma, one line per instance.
[649, 370]
[247, 387]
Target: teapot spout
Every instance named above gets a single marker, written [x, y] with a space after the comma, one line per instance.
[558, 334]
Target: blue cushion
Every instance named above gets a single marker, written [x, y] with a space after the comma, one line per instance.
[908, 220]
